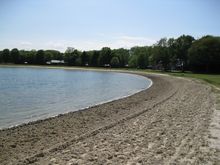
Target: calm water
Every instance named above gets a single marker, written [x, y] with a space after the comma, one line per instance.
[28, 94]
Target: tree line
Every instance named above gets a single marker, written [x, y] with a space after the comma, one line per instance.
[182, 53]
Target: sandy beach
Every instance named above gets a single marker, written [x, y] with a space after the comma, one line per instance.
[169, 123]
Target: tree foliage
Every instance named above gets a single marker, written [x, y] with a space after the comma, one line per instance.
[204, 55]
[184, 52]
[6, 58]
[123, 56]
[40, 57]
[94, 58]
[84, 58]
[15, 54]
[139, 57]
[105, 56]
[72, 58]
[115, 62]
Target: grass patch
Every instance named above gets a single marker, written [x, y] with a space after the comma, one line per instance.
[213, 79]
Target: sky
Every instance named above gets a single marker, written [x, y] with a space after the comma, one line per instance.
[93, 24]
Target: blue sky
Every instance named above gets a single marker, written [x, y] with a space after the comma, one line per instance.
[93, 24]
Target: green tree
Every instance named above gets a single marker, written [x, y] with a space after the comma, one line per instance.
[204, 55]
[6, 56]
[69, 50]
[105, 56]
[138, 57]
[160, 57]
[40, 57]
[162, 42]
[84, 58]
[72, 58]
[23, 56]
[172, 52]
[1, 60]
[182, 45]
[15, 55]
[142, 61]
[53, 55]
[123, 56]
[132, 61]
[115, 62]
[78, 61]
[48, 56]
[30, 56]
[94, 58]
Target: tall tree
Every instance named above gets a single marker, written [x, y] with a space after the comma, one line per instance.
[162, 42]
[1, 60]
[132, 61]
[40, 57]
[138, 57]
[160, 57]
[94, 58]
[105, 56]
[182, 44]
[15, 55]
[84, 58]
[172, 52]
[69, 50]
[204, 55]
[6, 58]
[53, 55]
[31, 57]
[72, 58]
[123, 56]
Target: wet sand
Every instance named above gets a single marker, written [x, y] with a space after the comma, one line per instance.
[165, 124]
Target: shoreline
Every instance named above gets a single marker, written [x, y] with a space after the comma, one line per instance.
[165, 115]
[81, 109]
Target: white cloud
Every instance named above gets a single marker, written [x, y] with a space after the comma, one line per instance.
[101, 40]
[58, 45]
[112, 42]
[130, 41]
[10, 44]
[25, 43]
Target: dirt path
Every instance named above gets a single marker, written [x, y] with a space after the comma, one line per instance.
[166, 124]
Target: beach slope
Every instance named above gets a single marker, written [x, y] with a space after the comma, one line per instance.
[165, 124]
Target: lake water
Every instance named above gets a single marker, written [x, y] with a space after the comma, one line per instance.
[28, 94]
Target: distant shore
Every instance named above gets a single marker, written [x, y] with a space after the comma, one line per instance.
[167, 123]
[122, 70]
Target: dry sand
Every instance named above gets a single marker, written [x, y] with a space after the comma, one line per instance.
[167, 124]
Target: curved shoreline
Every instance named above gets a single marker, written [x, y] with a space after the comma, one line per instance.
[100, 103]
[167, 123]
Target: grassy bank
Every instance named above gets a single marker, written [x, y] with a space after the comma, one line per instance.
[213, 79]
